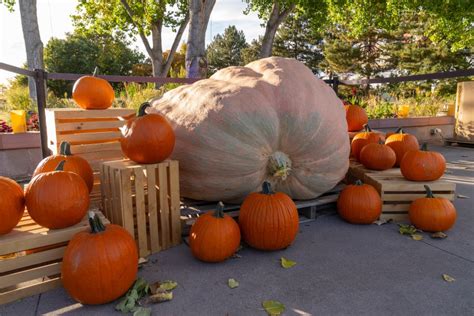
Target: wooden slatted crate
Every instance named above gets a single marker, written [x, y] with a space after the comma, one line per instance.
[396, 192]
[145, 200]
[93, 135]
[30, 258]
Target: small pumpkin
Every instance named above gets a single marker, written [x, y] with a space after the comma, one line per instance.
[268, 220]
[57, 199]
[12, 204]
[359, 203]
[401, 143]
[423, 165]
[147, 138]
[99, 265]
[363, 138]
[215, 236]
[73, 163]
[377, 156]
[432, 214]
[356, 117]
[93, 93]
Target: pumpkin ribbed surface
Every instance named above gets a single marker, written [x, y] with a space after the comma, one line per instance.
[12, 204]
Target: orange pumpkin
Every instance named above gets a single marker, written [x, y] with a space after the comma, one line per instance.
[268, 220]
[401, 143]
[57, 199]
[215, 236]
[99, 265]
[73, 163]
[388, 134]
[423, 165]
[363, 138]
[377, 156]
[356, 117]
[148, 138]
[432, 214]
[93, 93]
[359, 203]
[12, 204]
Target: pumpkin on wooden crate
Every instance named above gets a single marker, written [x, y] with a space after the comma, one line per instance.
[356, 117]
[272, 119]
[57, 199]
[147, 138]
[377, 156]
[99, 265]
[423, 165]
[432, 214]
[363, 138]
[268, 220]
[214, 236]
[72, 163]
[359, 203]
[12, 204]
[401, 142]
[93, 93]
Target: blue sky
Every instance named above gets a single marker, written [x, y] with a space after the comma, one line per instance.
[54, 21]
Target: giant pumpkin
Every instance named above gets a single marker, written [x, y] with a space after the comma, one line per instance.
[270, 120]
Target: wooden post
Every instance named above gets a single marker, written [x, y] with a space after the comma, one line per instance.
[40, 84]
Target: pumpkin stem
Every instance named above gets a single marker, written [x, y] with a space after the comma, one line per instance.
[65, 149]
[429, 193]
[279, 165]
[398, 130]
[95, 223]
[367, 128]
[219, 213]
[96, 71]
[424, 147]
[381, 141]
[358, 182]
[267, 188]
[142, 108]
[60, 166]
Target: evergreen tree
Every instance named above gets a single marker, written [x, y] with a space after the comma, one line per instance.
[252, 51]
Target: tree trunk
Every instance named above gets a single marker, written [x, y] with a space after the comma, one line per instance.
[276, 18]
[31, 36]
[196, 62]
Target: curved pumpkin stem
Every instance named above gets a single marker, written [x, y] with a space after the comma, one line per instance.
[60, 166]
[65, 149]
[429, 193]
[358, 182]
[219, 213]
[267, 188]
[95, 223]
[424, 147]
[367, 128]
[398, 131]
[96, 71]
[142, 108]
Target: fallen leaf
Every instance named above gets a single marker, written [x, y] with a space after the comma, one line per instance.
[407, 229]
[439, 235]
[142, 311]
[273, 308]
[139, 289]
[417, 237]
[167, 285]
[232, 283]
[286, 263]
[382, 221]
[460, 196]
[448, 278]
[160, 297]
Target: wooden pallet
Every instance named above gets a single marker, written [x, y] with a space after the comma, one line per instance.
[396, 192]
[30, 258]
[459, 142]
[93, 135]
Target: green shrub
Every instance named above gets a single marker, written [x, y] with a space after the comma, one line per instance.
[18, 98]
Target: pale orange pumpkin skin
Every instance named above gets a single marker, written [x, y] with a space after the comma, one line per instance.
[93, 93]
[432, 214]
[214, 237]
[401, 143]
[377, 156]
[422, 165]
[12, 204]
[356, 117]
[359, 204]
[363, 138]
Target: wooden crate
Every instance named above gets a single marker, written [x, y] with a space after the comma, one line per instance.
[30, 258]
[93, 135]
[396, 192]
[145, 200]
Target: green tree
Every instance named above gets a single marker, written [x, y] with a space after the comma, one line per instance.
[226, 50]
[252, 51]
[80, 53]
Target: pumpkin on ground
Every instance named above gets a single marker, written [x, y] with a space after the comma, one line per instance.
[57, 199]
[377, 156]
[214, 236]
[356, 117]
[423, 165]
[147, 138]
[401, 143]
[363, 138]
[268, 220]
[73, 163]
[432, 214]
[99, 265]
[359, 203]
[270, 120]
[12, 204]
[93, 93]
